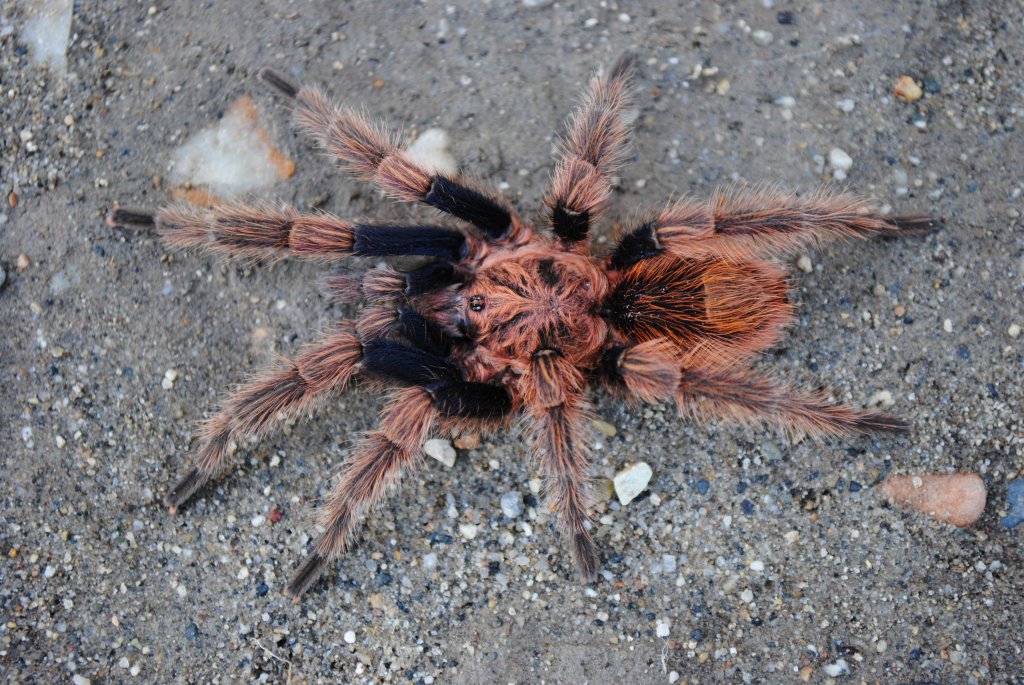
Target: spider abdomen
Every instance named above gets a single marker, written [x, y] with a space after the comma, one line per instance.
[713, 310]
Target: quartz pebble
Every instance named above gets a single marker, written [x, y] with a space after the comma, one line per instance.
[511, 504]
[846, 105]
[663, 627]
[468, 530]
[957, 498]
[804, 264]
[441, 450]
[631, 481]
[907, 88]
[839, 161]
[1013, 331]
[837, 668]
[881, 399]
[762, 37]
[350, 637]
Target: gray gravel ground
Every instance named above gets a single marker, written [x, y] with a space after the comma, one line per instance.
[767, 562]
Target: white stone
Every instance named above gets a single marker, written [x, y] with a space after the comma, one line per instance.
[79, 679]
[231, 157]
[46, 31]
[430, 150]
[511, 504]
[947, 325]
[441, 450]
[662, 627]
[882, 398]
[757, 565]
[350, 637]
[468, 530]
[846, 105]
[837, 668]
[805, 264]
[1013, 331]
[762, 37]
[839, 160]
[631, 481]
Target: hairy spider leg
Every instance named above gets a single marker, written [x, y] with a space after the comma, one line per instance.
[385, 283]
[747, 224]
[554, 400]
[591, 153]
[438, 396]
[265, 401]
[751, 399]
[650, 372]
[372, 152]
[262, 231]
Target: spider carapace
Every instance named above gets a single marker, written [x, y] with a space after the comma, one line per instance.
[505, 320]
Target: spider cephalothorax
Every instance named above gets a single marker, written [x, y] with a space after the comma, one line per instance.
[507, 321]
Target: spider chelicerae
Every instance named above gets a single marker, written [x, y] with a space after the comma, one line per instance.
[509, 320]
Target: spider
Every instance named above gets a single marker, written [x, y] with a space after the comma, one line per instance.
[510, 320]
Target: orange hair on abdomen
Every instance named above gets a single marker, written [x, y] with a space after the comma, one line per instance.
[716, 312]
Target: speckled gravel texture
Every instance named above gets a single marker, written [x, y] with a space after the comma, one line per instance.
[748, 560]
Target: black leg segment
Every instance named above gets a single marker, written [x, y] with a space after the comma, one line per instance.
[431, 241]
[635, 246]
[471, 400]
[405, 364]
[423, 334]
[469, 205]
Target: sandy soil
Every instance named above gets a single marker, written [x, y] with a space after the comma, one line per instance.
[765, 561]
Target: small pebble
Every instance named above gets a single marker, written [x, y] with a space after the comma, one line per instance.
[441, 450]
[947, 326]
[1015, 498]
[631, 481]
[907, 88]
[957, 498]
[762, 37]
[350, 637]
[881, 399]
[757, 566]
[662, 627]
[804, 264]
[1013, 331]
[846, 105]
[23, 262]
[512, 504]
[839, 160]
[468, 442]
[79, 679]
[468, 530]
[837, 668]
[606, 429]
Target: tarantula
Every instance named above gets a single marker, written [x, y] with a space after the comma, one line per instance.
[509, 320]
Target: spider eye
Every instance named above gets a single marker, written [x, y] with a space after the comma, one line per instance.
[476, 303]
